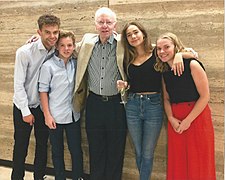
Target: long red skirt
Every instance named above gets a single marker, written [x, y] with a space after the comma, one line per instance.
[191, 154]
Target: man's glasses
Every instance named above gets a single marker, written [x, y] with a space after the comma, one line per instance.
[108, 23]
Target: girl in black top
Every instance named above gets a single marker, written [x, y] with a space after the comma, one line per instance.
[143, 108]
[190, 129]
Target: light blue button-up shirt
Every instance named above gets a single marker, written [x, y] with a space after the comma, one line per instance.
[58, 80]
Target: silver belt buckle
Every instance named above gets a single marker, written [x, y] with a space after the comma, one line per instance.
[105, 98]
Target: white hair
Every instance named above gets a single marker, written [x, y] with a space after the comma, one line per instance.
[105, 10]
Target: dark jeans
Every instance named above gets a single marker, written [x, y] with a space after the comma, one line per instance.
[22, 131]
[73, 135]
[106, 132]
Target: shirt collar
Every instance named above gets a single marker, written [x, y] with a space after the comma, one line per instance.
[59, 61]
[110, 40]
[42, 47]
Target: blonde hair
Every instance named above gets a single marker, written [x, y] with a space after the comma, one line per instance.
[70, 34]
[64, 34]
[178, 47]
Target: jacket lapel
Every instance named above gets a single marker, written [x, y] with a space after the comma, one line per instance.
[120, 55]
[83, 59]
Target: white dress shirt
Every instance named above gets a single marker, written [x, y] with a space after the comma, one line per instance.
[29, 59]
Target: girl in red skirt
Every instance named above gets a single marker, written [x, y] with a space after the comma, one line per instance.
[190, 128]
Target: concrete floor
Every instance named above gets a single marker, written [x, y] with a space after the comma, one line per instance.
[5, 173]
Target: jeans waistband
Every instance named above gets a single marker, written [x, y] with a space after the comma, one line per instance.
[135, 95]
[104, 98]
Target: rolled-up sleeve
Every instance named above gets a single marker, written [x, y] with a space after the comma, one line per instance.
[44, 79]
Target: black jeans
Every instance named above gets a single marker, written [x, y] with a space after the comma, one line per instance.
[106, 132]
[22, 131]
[73, 135]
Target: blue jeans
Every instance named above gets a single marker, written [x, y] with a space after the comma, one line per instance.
[73, 135]
[144, 119]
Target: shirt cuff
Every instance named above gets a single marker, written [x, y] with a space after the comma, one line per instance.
[25, 111]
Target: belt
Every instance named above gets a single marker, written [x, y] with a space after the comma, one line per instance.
[139, 95]
[105, 98]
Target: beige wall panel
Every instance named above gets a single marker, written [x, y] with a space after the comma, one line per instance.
[119, 2]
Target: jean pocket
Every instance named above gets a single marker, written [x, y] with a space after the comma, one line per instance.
[155, 100]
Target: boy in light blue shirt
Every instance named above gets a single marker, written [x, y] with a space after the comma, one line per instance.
[56, 85]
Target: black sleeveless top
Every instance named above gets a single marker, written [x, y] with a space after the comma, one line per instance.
[144, 78]
[181, 88]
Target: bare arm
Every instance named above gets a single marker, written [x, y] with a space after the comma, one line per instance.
[49, 120]
[167, 106]
[201, 82]
[178, 64]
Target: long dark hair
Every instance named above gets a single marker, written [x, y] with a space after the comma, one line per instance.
[129, 51]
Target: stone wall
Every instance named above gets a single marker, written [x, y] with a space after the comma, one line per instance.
[200, 25]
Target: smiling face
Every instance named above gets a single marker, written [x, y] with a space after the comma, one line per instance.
[134, 36]
[105, 25]
[65, 46]
[165, 50]
[49, 35]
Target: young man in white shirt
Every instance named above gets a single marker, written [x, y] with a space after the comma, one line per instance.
[26, 110]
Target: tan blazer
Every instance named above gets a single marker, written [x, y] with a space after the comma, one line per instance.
[84, 50]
